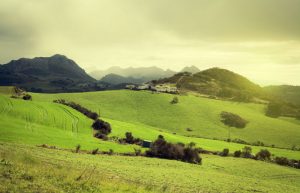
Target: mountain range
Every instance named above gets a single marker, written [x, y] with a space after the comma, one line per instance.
[61, 74]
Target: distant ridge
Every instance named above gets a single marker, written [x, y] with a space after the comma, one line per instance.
[144, 73]
[46, 74]
[192, 69]
[216, 82]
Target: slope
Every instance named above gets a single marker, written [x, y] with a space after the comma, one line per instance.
[201, 115]
[37, 123]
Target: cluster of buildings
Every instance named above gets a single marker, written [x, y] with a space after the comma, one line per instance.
[158, 88]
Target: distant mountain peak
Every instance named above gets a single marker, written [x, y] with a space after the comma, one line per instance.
[192, 69]
[49, 73]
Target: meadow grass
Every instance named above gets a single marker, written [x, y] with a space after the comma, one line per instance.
[36, 123]
[201, 115]
[29, 169]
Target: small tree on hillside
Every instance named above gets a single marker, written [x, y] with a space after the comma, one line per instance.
[27, 97]
[175, 100]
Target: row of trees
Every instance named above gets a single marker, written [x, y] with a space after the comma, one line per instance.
[101, 128]
[90, 114]
[264, 155]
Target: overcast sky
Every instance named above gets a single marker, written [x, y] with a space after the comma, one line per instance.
[256, 38]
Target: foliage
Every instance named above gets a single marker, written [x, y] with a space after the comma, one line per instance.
[163, 149]
[79, 108]
[101, 127]
[233, 120]
[27, 97]
[263, 154]
[237, 153]
[175, 100]
[274, 110]
[77, 148]
[225, 152]
[247, 152]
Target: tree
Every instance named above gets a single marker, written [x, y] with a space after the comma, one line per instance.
[263, 154]
[225, 152]
[274, 110]
[27, 97]
[175, 100]
[246, 153]
[102, 127]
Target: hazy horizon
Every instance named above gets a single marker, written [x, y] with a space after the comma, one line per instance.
[259, 39]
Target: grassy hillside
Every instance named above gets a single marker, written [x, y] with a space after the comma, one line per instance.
[30, 169]
[202, 115]
[36, 123]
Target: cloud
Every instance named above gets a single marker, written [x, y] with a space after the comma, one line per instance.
[235, 34]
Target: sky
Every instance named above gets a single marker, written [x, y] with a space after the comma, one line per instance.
[259, 39]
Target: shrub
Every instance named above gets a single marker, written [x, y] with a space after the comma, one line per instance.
[225, 152]
[282, 161]
[163, 149]
[27, 97]
[110, 152]
[129, 138]
[274, 110]
[95, 151]
[101, 136]
[77, 148]
[263, 154]
[175, 100]
[237, 153]
[137, 152]
[233, 120]
[101, 127]
[188, 129]
[246, 153]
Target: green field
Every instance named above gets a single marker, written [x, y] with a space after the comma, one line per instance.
[37, 122]
[202, 115]
[33, 169]
[26, 124]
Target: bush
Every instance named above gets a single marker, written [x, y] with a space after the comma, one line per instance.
[27, 97]
[263, 154]
[274, 110]
[162, 149]
[95, 151]
[101, 136]
[233, 120]
[225, 152]
[175, 100]
[137, 152]
[282, 161]
[130, 139]
[188, 129]
[101, 127]
[77, 148]
[110, 152]
[246, 153]
[237, 153]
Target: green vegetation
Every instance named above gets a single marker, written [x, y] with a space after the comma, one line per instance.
[138, 116]
[29, 169]
[145, 110]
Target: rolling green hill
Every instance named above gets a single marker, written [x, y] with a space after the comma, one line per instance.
[200, 114]
[216, 82]
[37, 123]
[25, 124]
[43, 122]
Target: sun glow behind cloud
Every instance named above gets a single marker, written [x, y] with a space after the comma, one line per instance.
[259, 38]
